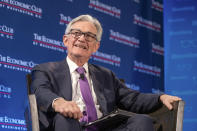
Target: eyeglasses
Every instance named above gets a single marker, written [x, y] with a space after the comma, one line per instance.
[89, 37]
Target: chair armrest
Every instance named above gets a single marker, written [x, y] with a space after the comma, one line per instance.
[169, 120]
[34, 112]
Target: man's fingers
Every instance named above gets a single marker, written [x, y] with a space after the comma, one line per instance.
[168, 100]
[177, 98]
[80, 115]
[68, 109]
[73, 111]
[70, 114]
[75, 116]
[168, 105]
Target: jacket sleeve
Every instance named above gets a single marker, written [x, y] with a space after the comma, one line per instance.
[41, 86]
[135, 101]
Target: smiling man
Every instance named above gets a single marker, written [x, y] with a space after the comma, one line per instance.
[72, 92]
[81, 41]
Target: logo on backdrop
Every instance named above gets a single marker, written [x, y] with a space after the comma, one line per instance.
[156, 91]
[157, 49]
[183, 93]
[137, 1]
[5, 91]
[6, 32]
[183, 56]
[157, 6]
[16, 6]
[176, 20]
[146, 23]
[188, 43]
[127, 40]
[64, 20]
[12, 123]
[104, 8]
[43, 41]
[70, 0]
[106, 58]
[183, 9]
[194, 22]
[16, 64]
[146, 69]
[133, 86]
[181, 33]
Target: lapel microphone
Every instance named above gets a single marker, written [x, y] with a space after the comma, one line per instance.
[81, 76]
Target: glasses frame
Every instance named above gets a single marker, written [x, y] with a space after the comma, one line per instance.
[87, 35]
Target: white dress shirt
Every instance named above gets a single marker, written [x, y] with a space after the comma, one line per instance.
[76, 92]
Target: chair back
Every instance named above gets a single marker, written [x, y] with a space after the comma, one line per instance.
[33, 106]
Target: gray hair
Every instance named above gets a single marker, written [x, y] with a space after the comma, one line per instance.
[89, 19]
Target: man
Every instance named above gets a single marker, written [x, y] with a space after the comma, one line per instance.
[60, 93]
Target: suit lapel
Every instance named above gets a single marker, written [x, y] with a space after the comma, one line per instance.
[64, 81]
[98, 88]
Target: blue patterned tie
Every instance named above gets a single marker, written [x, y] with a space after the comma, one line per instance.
[87, 97]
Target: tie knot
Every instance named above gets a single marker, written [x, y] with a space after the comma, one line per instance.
[80, 70]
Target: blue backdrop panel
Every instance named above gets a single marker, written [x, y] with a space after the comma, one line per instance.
[181, 52]
[31, 32]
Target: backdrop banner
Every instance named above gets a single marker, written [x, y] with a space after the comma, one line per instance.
[31, 33]
[180, 22]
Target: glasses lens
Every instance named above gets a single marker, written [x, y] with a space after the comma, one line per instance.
[76, 33]
[88, 36]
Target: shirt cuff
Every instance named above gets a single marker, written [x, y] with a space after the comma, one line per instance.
[55, 100]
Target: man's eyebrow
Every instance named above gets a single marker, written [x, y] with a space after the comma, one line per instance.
[84, 32]
[76, 29]
[90, 33]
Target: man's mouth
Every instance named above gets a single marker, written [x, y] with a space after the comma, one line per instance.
[80, 46]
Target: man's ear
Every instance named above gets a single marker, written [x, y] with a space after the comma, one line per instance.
[96, 47]
[65, 39]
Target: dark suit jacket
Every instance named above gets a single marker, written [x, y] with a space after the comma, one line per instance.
[52, 80]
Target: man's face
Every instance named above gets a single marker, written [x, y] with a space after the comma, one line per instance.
[81, 47]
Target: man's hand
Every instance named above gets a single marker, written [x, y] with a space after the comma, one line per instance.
[167, 100]
[67, 108]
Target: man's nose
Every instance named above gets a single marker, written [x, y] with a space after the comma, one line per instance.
[82, 38]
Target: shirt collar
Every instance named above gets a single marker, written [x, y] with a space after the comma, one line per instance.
[73, 66]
